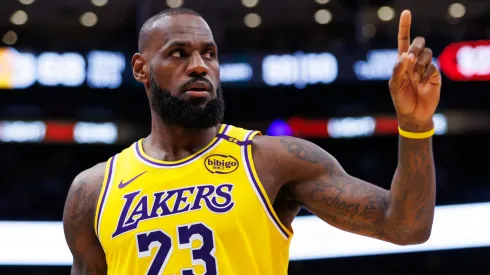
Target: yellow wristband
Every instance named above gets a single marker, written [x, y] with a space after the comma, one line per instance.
[416, 135]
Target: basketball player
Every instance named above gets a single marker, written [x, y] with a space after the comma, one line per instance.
[201, 197]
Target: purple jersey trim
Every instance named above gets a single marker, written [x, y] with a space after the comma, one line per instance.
[255, 182]
[218, 137]
[107, 183]
[234, 140]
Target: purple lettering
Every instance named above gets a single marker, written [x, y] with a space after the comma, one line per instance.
[182, 199]
[121, 228]
[203, 192]
[140, 212]
[217, 199]
[227, 205]
[160, 204]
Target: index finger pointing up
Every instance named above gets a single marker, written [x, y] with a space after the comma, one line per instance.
[404, 32]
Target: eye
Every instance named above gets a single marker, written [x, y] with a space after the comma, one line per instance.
[209, 54]
[179, 53]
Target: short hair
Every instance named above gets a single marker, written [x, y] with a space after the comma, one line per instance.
[146, 28]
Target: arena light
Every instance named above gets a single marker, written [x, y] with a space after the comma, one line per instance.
[175, 3]
[377, 66]
[18, 69]
[26, 2]
[279, 128]
[101, 69]
[250, 3]
[252, 20]
[67, 69]
[87, 132]
[386, 13]
[369, 30]
[88, 19]
[105, 69]
[58, 132]
[19, 17]
[313, 238]
[457, 10]
[299, 69]
[323, 16]
[466, 61]
[322, 2]
[99, 3]
[351, 127]
[22, 131]
[235, 72]
[10, 38]
[346, 127]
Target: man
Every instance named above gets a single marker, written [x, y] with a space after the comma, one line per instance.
[200, 197]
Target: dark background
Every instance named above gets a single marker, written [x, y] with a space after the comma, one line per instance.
[35, 177]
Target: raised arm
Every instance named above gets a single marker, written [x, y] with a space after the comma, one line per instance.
[402, 215]
[78, 223]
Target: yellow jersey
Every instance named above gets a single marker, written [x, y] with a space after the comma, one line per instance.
[205, 214]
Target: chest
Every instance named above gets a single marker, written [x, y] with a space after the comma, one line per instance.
[165, 202]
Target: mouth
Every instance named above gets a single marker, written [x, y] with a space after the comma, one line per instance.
[198, 89]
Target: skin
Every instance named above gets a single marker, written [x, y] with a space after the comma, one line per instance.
[295, 173]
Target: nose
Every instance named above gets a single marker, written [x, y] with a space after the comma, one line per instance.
[196, 66]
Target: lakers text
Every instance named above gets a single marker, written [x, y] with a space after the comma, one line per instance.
[217, 199]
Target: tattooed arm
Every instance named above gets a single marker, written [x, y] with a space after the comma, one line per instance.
[402, 215]
[78, 223]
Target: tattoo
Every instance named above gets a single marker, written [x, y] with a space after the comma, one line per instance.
[305, 152]
[416, 173]
[76, 212]
[374, 201]
[356, 206]
[78, 223]
[79, 211]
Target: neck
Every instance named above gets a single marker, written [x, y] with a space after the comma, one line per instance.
[172, 143]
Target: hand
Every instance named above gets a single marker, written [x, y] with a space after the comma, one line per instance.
[415, 85]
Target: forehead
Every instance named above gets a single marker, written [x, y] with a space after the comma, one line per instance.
[181, 27]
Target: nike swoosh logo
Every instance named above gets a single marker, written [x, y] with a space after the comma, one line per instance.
[124, 184]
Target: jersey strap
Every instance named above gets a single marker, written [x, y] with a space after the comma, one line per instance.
[258, 187]
[104, 192]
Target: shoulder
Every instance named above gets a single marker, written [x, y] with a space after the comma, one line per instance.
[291, 157]
[90, 179]
[288, 148]
[79, 218]
[84, 190]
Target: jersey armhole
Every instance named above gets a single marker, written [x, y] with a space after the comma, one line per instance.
[259, 188]
[108, 177]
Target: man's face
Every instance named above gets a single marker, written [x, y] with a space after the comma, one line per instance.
[183, 72]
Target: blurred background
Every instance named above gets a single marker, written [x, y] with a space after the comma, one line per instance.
[316, 69]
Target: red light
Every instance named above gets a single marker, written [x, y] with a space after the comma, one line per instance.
[59, 132]
[386, 125]
[466, 61]
[308, 128]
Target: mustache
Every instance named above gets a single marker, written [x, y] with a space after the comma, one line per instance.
[194, 80]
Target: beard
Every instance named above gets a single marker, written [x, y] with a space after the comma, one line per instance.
[186, 114]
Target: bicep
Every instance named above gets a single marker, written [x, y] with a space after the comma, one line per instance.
[322, 186]
[343, 201]
[78, 218]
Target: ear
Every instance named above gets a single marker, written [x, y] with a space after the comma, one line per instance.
[138, 63]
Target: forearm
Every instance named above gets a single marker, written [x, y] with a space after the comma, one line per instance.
[413, 190]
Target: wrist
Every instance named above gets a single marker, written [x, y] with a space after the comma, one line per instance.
[415, 126]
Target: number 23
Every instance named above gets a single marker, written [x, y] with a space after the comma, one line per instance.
[203, 255]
